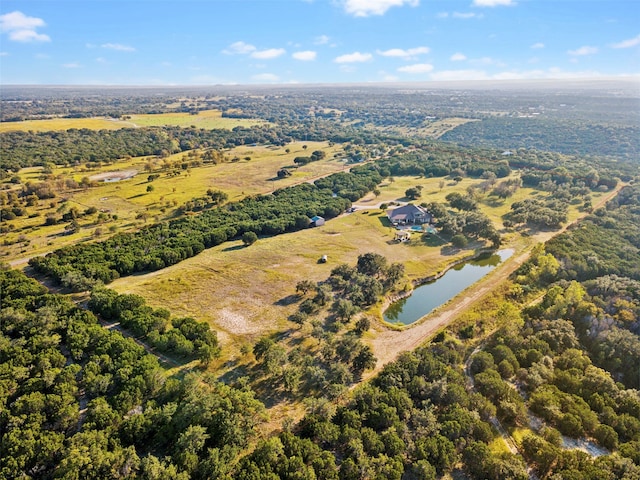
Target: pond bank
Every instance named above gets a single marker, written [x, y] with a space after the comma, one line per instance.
[433, 291]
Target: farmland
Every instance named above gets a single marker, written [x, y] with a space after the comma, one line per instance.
[207, 119]
[135, 206]
[202, 329]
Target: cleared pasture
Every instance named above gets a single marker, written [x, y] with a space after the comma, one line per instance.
[208, 119]
[135, 206]
[246, 292]
[58, 124]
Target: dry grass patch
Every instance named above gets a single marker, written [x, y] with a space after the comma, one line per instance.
[58, 124]
[129, 199]
[208, 119]
[247, 291]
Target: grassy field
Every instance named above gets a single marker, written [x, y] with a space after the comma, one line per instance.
[430, 129]
[129, 199]
[244, 292]
[240, 290]
[208, 119]
[57, 124]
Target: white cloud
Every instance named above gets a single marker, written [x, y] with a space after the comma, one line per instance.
[305, 56]
[458, 57]
[118, 46]
[416, 68]
[364, 8]
[551, 73]
[266, 77]
[101, 60]
[22, 28]
[631, 42]
[71, 65]
[239, 48]
[355, 57]
[586, 50]
[493, 3]
[442, 15]
[321, 40]
[399, 52]
[537, 46]
[4, 54]
[268, 54]
[466, 15]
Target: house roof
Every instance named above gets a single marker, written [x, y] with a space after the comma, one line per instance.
[406, 212]
[316, 218]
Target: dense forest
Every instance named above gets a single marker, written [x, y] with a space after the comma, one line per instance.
[573, 138]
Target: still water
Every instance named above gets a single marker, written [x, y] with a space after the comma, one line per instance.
[431, 295]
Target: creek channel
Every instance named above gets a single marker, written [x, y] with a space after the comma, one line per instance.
[436, 292]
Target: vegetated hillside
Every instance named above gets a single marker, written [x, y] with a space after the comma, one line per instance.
[82, 401]
[569, 137]
[559, 359]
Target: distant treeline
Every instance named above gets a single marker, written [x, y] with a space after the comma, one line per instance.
[83, 145]
[80, 146]
[569, 137]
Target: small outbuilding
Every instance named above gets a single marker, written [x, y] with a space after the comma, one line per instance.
[316, 221]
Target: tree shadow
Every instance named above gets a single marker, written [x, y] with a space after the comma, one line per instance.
[449, 250]
[288, 300]
[233, 248]
[494, 202]
[431, 241]
[384, 220]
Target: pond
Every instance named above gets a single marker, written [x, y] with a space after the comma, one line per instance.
[431, 295]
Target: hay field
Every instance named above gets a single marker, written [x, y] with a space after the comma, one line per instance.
[208, 119]
[58, 124]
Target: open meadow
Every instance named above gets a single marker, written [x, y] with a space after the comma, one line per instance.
[134, 203]
[58, 124]
[247, 292]
[207, 119]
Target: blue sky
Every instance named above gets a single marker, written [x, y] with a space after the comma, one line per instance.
[204, 42]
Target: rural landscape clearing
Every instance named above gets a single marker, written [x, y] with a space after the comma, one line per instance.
[336, 240]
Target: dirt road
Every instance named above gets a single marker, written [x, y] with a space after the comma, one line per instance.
[388, 344]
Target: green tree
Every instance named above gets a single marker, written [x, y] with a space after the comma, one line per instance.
[249, 238]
